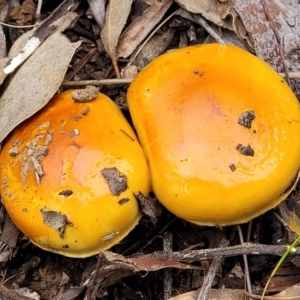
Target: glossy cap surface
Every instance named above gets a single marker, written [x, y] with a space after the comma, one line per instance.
[69, 175]
[221, 131]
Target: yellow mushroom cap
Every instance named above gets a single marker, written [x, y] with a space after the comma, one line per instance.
[69, 175]
[221, 131]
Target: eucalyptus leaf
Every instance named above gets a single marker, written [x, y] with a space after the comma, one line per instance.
[37, 80]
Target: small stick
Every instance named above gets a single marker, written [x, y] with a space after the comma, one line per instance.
[203, 293]
[167, 277]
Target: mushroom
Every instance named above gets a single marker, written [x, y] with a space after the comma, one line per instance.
[220, 129]
[69, 175]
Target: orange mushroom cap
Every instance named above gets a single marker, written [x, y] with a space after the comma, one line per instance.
[220, 129]
[69, 175]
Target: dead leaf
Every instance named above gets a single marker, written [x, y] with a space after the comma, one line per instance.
[53, 219]
[220, 13]
[116, 15]
[26, 292]
[41, 32]
[73, 292]
[290, 212]
[37, 80]
[292, 292]
[265, 44]
[219, 294]
[155, 46]
[141, 27]
[137, 264]
[116, 181]
[149, 207]
[154, 264]
[97, 8]
[8, 239]
[206, 8]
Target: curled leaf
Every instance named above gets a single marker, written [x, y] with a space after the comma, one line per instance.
[141, 27]
[116, 15]
[97, 8]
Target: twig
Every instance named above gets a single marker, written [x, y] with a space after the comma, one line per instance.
[203, 293]
[270, 19]
[97, 82]
[246, 248]
[294, 75]
[16, 26]
[167, 277]
[199, 20]
[248, 282]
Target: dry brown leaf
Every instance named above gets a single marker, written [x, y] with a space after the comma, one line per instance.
[220, 13]
[97, 8]
[290, 213]
[154, 264]
[149, 264]
[116, 15]
[8, 238]
[37, 80]
[141, 27]
[156, 46]
[220, 294]
[40, 33]
[293, 291]
[207, 8]
[265, 44]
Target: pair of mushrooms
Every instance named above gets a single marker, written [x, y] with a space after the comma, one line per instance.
[219, 131]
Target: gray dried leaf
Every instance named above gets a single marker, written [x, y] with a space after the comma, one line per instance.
[237, 294]
[266, 47]
[37, 80]
[154, 47]
[137, 264]
[141, 27]
[26, 292]
[149, 207]
[73, 293]
[220, 13]
[10, 233]
[53, 219]
[206, 8]
[116, 15]
[41, 32]
[97, 8]
[116, 181]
